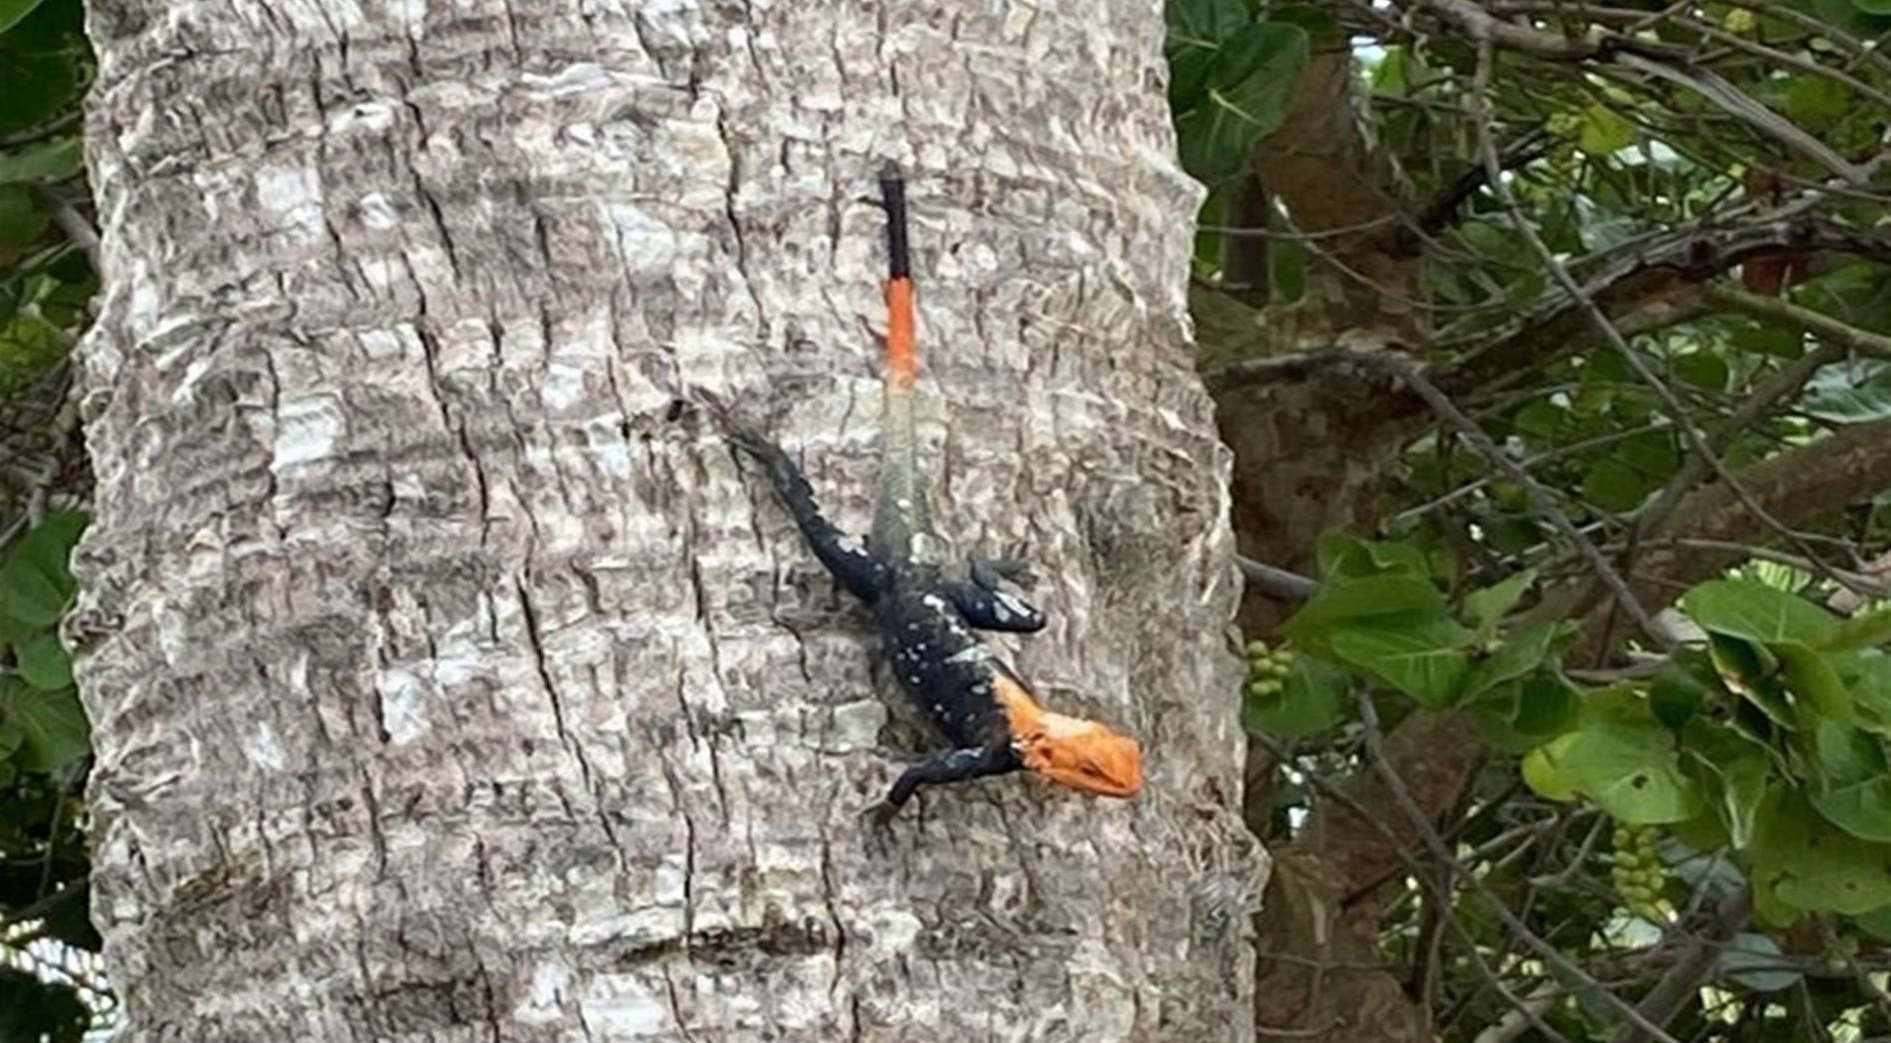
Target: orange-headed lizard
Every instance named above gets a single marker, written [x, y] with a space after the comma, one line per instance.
[926, 613]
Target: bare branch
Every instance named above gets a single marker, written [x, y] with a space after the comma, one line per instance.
[1540, 498]
[75, 226]
[1825, 327]
[1522, 1019]
[1651, 287]
[1683, 979]
[1275, 582]
[1753, 409]
[1375, 748]
[1736, 103]
[1795, 485]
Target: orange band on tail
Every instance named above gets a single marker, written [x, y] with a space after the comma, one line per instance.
[902, 359]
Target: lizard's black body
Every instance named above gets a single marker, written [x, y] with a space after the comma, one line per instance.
[925, 618]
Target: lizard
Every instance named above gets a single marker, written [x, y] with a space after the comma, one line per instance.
[926, 614]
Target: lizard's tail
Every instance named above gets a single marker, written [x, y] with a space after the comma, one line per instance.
[902, 357]
[900, 511]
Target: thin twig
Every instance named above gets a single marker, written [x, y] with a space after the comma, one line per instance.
[1442, 898]
[1528, 462]
[76, 227]
[1277, 583]
[1375, 749]
[1825, 327]
[1517, 1022]
[1408, 372]
[1558, 272]
[1787, 382]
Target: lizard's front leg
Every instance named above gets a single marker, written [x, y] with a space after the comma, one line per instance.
[956, 765]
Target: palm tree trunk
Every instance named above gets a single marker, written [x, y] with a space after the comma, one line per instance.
[450, 680]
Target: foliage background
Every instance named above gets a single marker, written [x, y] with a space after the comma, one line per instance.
[49, 986]
[1586, 737]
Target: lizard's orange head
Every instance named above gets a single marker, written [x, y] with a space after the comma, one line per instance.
[1083, 755]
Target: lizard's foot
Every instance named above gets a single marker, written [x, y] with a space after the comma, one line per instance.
[989, 572]
[879, 822]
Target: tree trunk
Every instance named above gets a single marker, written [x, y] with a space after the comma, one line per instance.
[451, 681]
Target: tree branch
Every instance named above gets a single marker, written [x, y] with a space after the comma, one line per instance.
[1277, 583]
[1786, 313]
[1683, 979]
[1794, 486]
[1649, 288]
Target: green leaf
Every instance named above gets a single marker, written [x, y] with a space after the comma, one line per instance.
[1544, 771]
[1487, 605]
[44, 163]
[1349, 600]
[1757, 612]
[35, 583]
[1246, 99]
[1312, 700]
[1803, 861]
[44, 663]
[1816, 102]
[1702, 369]
[1519, 656]
[1522, 715]
[34, 1010]
[1682, 687]
[1542, 420]
[51, 725]
[1286, 271]
[1341, 556]
[1604, 131]
[1410, 658]
[1633, 469]
[1197, 29]
[1750, 671]
[1852, 393]
[29, 346]
[21, 220]
[1875, 922]
[1398, 72]
[1615, 486]
[11, 11]
[35, 83]
[1862, 631]
[1626, 762]
[1737, 766]
[1813, 680]
[1855, 794]
[1868, 676]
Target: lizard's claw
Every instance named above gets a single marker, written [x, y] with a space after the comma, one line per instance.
[1017, 570]
[987, 572]
[880, 814]
[879, 820]
[746, 436]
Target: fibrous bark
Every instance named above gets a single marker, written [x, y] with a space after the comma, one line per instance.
[451, 681]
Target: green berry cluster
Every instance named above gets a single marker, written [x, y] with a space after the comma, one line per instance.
[1638, 872]
[1267, 668]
